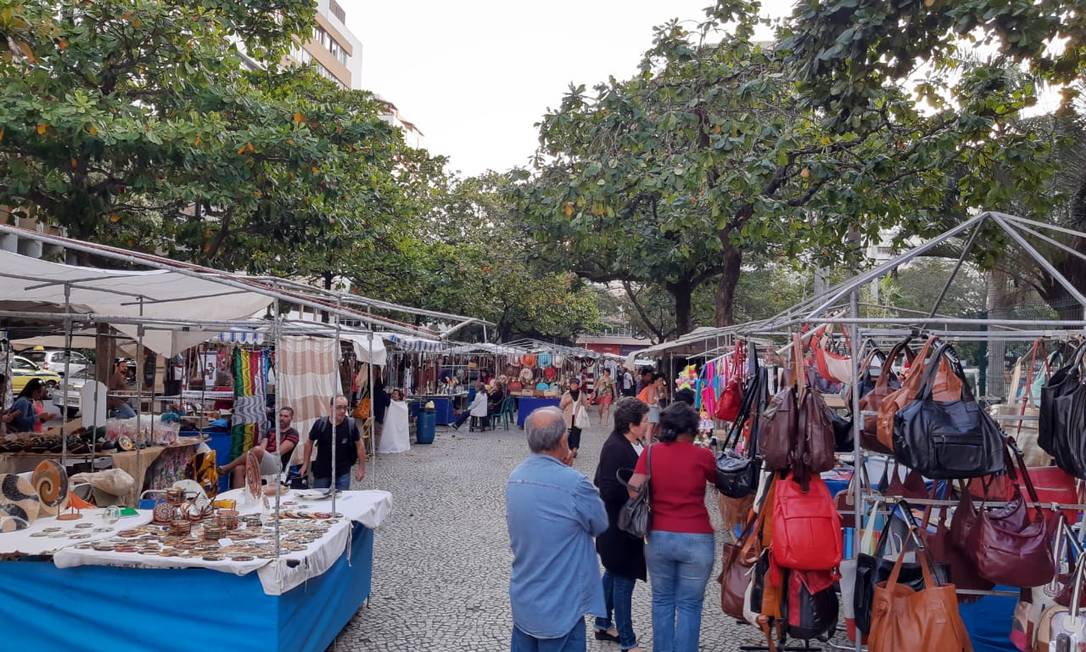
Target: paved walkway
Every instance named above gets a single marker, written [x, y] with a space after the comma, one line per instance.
[442, 560]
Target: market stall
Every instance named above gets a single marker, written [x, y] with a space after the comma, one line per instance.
[299, 592]
[299, 559]
[977, 507]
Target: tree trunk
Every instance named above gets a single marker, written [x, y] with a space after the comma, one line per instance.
[682, 293]
[729, 281]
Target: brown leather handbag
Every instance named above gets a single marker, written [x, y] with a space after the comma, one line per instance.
[816, 443]
[737, 567]
[905, 619]
[871, 401]
[797, 431]
[898, 399]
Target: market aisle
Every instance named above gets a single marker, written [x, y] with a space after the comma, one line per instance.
[441, 561]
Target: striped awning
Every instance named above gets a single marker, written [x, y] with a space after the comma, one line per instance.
[414, 344]
[240, 337]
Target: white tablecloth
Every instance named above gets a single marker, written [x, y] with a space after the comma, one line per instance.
[370, 508]
[21, 542]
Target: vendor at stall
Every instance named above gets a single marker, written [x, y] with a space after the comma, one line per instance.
[28, 413]
[265, 450]
[118, 382]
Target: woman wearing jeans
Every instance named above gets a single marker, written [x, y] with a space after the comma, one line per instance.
[680, 546]
[622, 554]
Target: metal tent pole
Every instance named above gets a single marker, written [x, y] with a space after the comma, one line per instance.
[857, 424]
[278, 430]
[373, 414]
[67, 375]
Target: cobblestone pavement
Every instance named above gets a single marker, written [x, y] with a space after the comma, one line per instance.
[442, 560]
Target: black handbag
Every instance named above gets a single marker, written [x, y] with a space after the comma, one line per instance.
[952, 439]
[808, 615]
[635, 517]
[737, 475]
[872, 569]
[1062, 415]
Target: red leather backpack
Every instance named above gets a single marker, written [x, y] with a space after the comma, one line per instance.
[806, 526]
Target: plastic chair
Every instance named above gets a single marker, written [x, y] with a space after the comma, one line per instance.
[507, 413]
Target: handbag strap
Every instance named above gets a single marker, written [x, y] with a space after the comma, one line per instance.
[1016, 452]
[887, 366]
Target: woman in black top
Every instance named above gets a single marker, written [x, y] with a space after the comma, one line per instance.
[622, 554]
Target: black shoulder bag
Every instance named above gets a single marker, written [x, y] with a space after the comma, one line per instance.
[737, 475]
[636, 515]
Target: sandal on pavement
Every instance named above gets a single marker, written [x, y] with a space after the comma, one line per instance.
[604, 635]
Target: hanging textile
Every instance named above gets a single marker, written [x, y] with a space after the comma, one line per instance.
[250, 419]
[308, 383]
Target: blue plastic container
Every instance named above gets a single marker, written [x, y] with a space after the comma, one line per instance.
[427, 427]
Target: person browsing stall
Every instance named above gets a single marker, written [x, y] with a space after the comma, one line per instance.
[552, 512]
[348, 444]
[118, 382]
[680, 546]
[265, 450]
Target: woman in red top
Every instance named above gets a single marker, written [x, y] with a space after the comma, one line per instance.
[680, 546]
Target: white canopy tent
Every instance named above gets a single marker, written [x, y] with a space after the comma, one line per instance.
[156, 294]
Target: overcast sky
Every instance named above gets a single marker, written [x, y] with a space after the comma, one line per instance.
[475, 75]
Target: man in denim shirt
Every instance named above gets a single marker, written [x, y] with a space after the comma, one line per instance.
[552, 511]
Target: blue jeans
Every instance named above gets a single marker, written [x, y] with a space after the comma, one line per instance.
[618, 594]
[574, 641]
[122, 411]
[343, 482]
[679, 565]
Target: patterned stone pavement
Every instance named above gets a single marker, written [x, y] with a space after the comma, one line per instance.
[442, 560]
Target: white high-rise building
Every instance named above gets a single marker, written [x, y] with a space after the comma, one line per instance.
[333, 50]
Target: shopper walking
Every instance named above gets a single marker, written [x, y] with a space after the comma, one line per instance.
[605, 395]
[329, 472]
[622, 555]
[571, 404]
[552, 512]
[680, 545]
[628, 388]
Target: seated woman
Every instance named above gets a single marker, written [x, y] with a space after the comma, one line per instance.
[265, 451]
[27, 413]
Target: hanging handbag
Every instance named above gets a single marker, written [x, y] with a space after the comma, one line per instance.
[832, 366]
[816, 440]
[809, 614]
[1052, 484]
[940, 544]
[806, 527]
[779, 424]
[731, 399]
[872, 569]
[737, 474]
[906, 619]
[954, 439]
[635, 517]
[870, 400]
[1012, 544]
[737, 564]
[947, 387]
[1024, 429]
[1034, 601]
[1063, 628]
[1062, 426]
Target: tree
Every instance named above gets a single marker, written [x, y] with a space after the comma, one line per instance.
[473, 258]
[845, 52]
[709, 155]
[137, 123]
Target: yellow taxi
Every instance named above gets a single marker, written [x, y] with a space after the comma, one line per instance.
[22, 370]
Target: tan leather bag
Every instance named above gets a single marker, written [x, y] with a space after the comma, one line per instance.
[903, 619]
[872, 401]
[947, 387]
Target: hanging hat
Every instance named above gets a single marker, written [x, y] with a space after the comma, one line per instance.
[559, 360]
[544, 360]
[528, 360]
[550, 373]
[19, 503]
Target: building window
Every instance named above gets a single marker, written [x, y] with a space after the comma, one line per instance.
[337, 11]
[331, 44]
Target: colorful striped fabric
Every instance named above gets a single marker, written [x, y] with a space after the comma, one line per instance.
[250, 387]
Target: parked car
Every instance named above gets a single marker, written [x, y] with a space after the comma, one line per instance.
[22, 370]
[75, 386]
[53, 360]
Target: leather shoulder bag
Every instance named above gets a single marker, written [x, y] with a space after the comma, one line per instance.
[946, 440]
[870, 401]
[1012, 545]
[635, 517]
[906, 619]
[737, 474]
[894, 401]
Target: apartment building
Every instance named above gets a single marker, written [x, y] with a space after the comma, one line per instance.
[333, 50]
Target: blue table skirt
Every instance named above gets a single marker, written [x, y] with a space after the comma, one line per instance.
[120, 609]
[443, 408]
[526, 405]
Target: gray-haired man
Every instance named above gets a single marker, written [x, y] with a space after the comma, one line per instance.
[552, 512]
